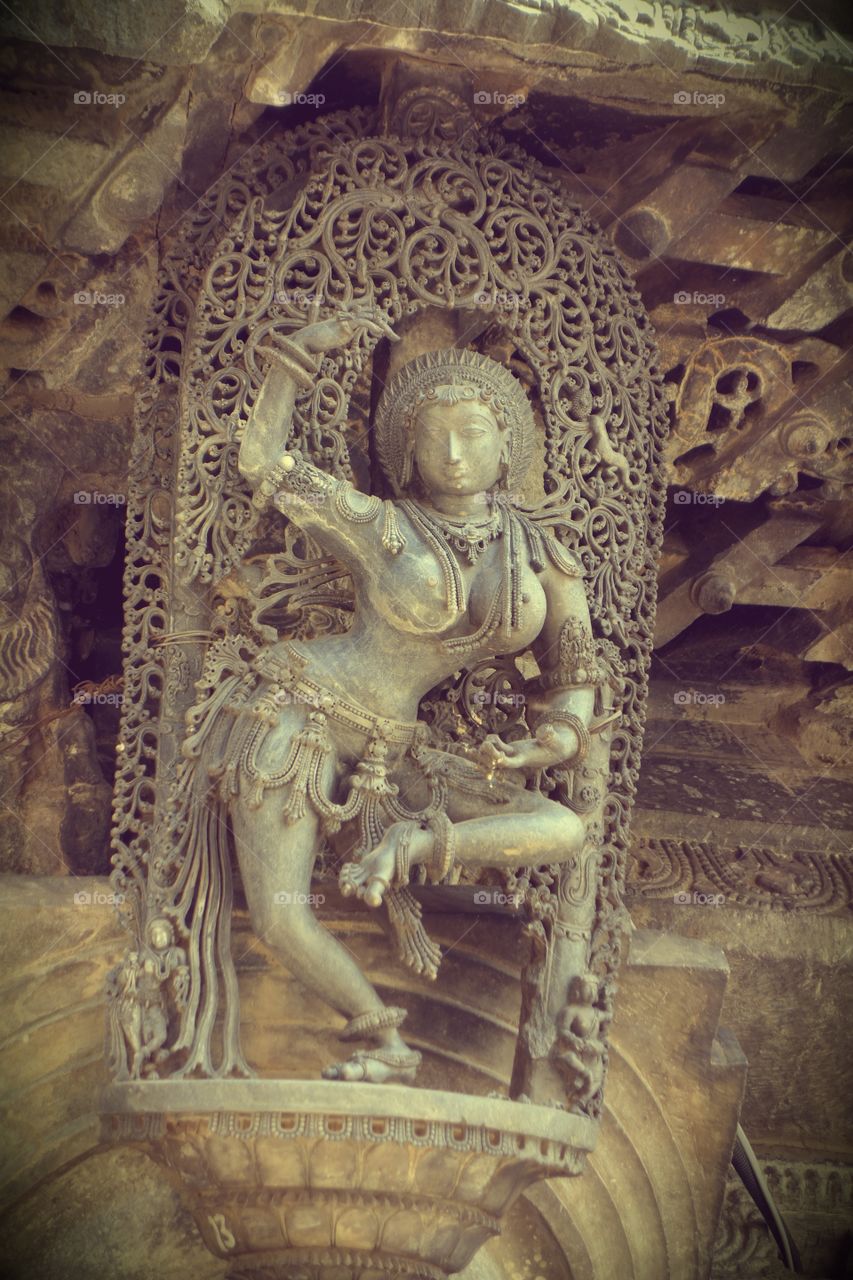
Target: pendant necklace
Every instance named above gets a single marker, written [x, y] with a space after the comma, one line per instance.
[470, 538]
[467, 537]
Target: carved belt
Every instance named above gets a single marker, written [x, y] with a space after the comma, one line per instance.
[284, 671]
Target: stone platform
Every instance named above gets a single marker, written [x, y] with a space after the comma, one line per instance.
[342, 1181]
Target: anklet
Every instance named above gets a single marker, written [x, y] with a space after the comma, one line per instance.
[444, 851]
[375, 1020]
[402, 864]
[574, 722]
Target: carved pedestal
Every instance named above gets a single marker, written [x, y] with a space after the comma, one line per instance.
[297, 1180]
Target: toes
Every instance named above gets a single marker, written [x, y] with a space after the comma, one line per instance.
[352, 1071]
[350, 881]
[374, 891]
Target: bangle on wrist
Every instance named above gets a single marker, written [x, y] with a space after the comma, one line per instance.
[574, 722]
[300, 364]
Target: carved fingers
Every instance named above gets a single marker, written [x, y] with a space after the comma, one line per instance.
[356, 321]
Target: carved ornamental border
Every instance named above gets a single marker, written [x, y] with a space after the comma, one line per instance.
[405, 225]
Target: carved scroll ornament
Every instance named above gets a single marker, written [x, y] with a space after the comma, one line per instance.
[396, 226]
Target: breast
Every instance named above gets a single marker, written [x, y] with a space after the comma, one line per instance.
[411, 595]
[412, 598]
[532, 614]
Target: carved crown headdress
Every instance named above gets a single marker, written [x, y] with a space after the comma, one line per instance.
[415, 385]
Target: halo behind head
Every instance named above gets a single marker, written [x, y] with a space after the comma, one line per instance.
[413, 386]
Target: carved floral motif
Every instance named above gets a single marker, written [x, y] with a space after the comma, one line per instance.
[400, 226]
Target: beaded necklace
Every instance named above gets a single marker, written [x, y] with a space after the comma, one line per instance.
[468, 538]
[449, 538]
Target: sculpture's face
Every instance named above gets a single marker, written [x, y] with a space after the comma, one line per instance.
[160, 935]
[459, 448]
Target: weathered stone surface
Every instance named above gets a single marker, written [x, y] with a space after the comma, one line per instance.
[173, 32]
[671, 1085]
[742, 838]
[824, 297]
[728, 806]
[133, 190]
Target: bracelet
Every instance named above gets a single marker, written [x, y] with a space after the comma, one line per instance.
[271, 482]
[295, 475]
[574, 722]
[444, 852]
[299, 364]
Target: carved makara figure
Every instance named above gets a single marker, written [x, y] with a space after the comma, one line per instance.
[303, 741]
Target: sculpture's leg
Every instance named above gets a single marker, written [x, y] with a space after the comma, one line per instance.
[276, 862]
[154, 1032]
[133, 1033]
[544, 832]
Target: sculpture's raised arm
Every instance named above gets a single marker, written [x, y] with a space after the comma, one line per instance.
[343, 519]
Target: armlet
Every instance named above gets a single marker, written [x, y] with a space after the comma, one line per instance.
[578, 663]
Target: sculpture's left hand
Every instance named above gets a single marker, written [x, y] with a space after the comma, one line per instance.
[551, 746]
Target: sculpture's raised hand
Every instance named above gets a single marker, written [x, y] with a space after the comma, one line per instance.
[339, 330]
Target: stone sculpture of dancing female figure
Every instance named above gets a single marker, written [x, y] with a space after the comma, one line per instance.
[317, 734]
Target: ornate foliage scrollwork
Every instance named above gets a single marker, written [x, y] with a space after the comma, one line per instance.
[757, 877]
[151, 602]
[405, 226]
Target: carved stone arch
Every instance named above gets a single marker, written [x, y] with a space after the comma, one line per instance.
[405, 226]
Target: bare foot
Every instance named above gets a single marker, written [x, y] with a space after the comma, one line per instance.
[370, 878]
[376, 1066]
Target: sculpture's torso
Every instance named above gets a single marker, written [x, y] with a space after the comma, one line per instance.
[393, 653]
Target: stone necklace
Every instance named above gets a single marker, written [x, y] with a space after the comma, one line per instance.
[469, 538]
